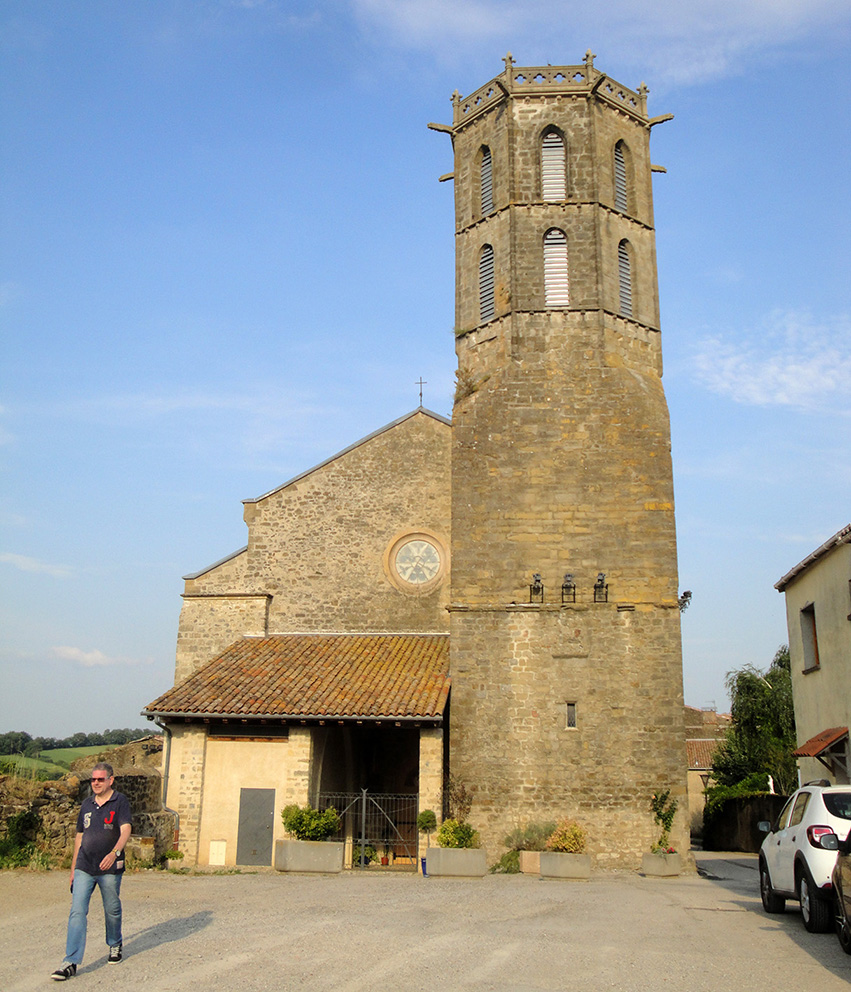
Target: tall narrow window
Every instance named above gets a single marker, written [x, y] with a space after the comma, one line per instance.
[809, 637]
[621, 199]
[570, 716]
[555, 269]
[486, 299]
[625, 278]
[553, 174]
[486, 180]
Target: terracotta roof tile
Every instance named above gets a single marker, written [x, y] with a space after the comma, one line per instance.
[700, 753]
[821, 742]
[319, 675]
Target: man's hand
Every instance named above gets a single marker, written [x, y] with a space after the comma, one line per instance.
[108, 861]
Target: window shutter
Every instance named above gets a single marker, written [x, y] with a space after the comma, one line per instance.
[553, 179]
[625, 276]
[556, 293]
[487, 181]
[486, 298]
[620, 178]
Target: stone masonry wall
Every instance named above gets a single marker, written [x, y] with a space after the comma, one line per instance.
[513, 674]
[561, 463]
[319, 551]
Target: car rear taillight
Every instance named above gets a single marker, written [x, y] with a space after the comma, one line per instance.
[818, 835]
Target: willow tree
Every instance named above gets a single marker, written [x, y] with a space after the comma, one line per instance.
[761, 738]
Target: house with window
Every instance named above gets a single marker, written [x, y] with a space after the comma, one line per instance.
[818, 618]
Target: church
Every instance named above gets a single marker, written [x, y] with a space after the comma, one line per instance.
[491, 601]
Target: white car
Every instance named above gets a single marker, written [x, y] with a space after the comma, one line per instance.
[797, 857]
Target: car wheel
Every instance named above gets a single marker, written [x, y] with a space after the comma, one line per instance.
[771, 902]
[843, 931]
[815, 910]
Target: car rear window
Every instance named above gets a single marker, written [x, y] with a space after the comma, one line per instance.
[838, 804]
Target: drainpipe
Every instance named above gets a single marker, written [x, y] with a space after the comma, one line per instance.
[167, 734]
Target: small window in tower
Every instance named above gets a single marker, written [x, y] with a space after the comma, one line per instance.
[570, 716]
[486, 180]
[621, 198]
[553, 173]
[625, 278]
[809, 637]
[555, 269]
[486, 297]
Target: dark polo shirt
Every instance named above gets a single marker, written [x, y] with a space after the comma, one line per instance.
[100, 827]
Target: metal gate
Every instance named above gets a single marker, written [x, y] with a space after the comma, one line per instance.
[379, 829]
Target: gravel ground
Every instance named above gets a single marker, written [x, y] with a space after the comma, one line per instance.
[384, 931]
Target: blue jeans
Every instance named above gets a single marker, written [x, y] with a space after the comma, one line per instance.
[84, 886]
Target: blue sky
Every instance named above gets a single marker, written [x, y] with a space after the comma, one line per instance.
[225, 255]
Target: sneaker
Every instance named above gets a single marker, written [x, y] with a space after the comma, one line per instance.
[65, 972]
[114, 954]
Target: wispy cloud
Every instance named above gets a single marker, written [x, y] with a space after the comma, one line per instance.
[88, 659]
[26, 564]
[681, 42]
[791, 360]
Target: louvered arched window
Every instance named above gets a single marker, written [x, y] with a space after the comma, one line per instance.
[556, 293]
[486, 180]
[553, 170]
[486, 298]
[625, 278]
[621, 185]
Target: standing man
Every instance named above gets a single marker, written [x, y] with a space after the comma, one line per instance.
[103, 829]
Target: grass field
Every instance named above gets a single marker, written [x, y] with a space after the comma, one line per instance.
[56, 762]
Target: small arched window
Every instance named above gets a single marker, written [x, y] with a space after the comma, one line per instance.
[625, 278]
[556, 290]
[553, 167]
[486, 180]
[486, 298]
[621, 185]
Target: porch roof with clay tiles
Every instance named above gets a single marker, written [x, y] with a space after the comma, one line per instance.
[397, 677]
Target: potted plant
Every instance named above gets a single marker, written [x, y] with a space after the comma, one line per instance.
[173, 857]
[529, 841]
[663, 860]
[426, 824]
[565, 855]
[458, 852]
[310, 850]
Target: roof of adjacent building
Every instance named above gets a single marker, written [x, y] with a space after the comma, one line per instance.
[821, 742]
[841, 537]
[312, 676]
[699, 753]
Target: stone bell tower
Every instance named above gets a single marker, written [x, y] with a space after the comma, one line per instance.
[565, 626]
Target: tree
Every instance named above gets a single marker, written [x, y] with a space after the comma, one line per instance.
[762, 735]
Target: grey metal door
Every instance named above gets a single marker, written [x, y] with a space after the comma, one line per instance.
[256, 821]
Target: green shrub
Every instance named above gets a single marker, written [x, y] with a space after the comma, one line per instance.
[755, 784]
[453, 833]
[427, 821]
[306, 823]
[508, 864]
[369, 854]
[532, 837]
[17, 848]
[568, 838]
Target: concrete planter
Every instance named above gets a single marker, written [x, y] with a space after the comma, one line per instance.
[309, 856]
[459, 862]
[555, 864]
[530, 862]
[661, 865]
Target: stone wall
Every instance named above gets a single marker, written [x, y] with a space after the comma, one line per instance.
[137, 775]
[561, 464]
[319, 549]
